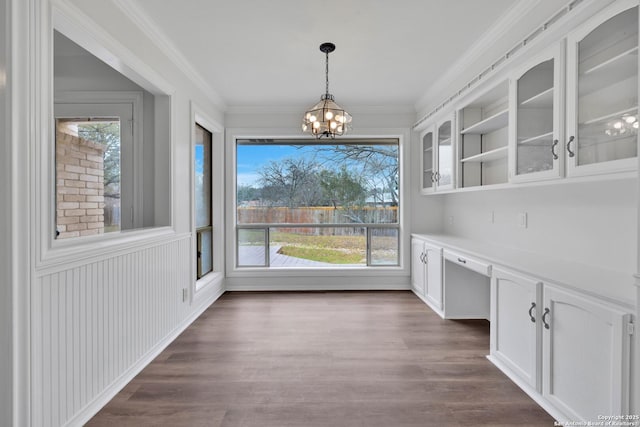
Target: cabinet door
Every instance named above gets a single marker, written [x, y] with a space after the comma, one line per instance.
[434, 275]
[535, 149]
[602, 92]
[428, 161]
[586, 356]
[418, 266]
[444, 170]
[515, 324]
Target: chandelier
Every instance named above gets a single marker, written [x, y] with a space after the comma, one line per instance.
[326, 118]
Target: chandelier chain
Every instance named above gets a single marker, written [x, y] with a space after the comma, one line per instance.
[326, 72]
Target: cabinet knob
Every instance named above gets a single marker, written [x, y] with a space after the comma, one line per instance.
[571, 153]
[553, 149]
[533, 305]
[462, 260]
[544, 316]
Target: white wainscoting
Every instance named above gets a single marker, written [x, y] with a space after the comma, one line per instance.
[94, 326]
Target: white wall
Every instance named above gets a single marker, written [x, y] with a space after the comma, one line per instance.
[591, 223]
[6, 381]
[76, 308]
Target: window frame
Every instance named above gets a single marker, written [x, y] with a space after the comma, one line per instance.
[377, 277]
[208, 174]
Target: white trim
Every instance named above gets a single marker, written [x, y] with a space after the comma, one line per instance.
[304, 282]
[108, 393]
[478, 49]
[151, 29]
[199, 116]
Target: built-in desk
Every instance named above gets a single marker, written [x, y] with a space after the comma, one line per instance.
[561, 330]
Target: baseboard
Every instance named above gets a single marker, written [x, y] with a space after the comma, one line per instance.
[315, 283]
[110, 391]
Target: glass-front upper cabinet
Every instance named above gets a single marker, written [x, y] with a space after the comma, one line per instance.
[535, 102]
[444, 169]
[602, 92]
[428, 161]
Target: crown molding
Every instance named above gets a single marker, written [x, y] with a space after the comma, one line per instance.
[290, 109]
[478, 49]
[158, 37]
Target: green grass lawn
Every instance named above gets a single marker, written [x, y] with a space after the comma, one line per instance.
[331, 249]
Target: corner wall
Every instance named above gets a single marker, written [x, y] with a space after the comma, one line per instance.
[6, 324]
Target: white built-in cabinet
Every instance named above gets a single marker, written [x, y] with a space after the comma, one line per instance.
[515, 318]
[483, 138]
[569, 350]
[602, 92]
[571, 110]
[585, 369]
[535, 102]
[426, 273]
[438, 160]
[566, 347]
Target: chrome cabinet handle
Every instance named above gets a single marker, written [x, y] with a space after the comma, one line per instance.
[571, 153]
[436, 177]
[553, 149]
[464, 261]
[425, 258]
[544, 322]
[533, 305]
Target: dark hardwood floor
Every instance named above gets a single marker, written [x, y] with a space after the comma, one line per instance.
[324, 359]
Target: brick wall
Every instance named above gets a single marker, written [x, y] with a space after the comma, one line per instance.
[79, 186]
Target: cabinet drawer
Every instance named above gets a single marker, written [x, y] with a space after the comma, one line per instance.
[468, 262]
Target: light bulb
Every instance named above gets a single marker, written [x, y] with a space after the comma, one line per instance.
[629, 119]
[339, 118]
[308, 116]
[304, 127]
[618, 125]
[339, 130]
[328, 115]
[333, 125]
[635, 125]
[316, 125]
[313, 118]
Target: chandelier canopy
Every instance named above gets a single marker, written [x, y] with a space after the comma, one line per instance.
[326, 118]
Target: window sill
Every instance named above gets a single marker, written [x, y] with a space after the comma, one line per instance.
[85, 249]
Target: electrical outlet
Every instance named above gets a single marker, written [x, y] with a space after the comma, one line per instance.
[522, 219]
[185, 294]
[492, 217]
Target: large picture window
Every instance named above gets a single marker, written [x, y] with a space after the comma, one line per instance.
[317, 204]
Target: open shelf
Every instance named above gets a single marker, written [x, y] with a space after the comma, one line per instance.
[542, 99]
[537, 140]
[628, 55]
[489, 156]
[617, 114]
[494, 122]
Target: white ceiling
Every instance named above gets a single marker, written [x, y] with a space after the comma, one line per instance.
[389, 53]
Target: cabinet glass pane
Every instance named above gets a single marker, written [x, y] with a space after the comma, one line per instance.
[445, 154]
[427, 160]
[535, 119]
[608, 91]
[205, 255]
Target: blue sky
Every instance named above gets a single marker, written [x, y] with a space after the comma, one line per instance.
[251, 157]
